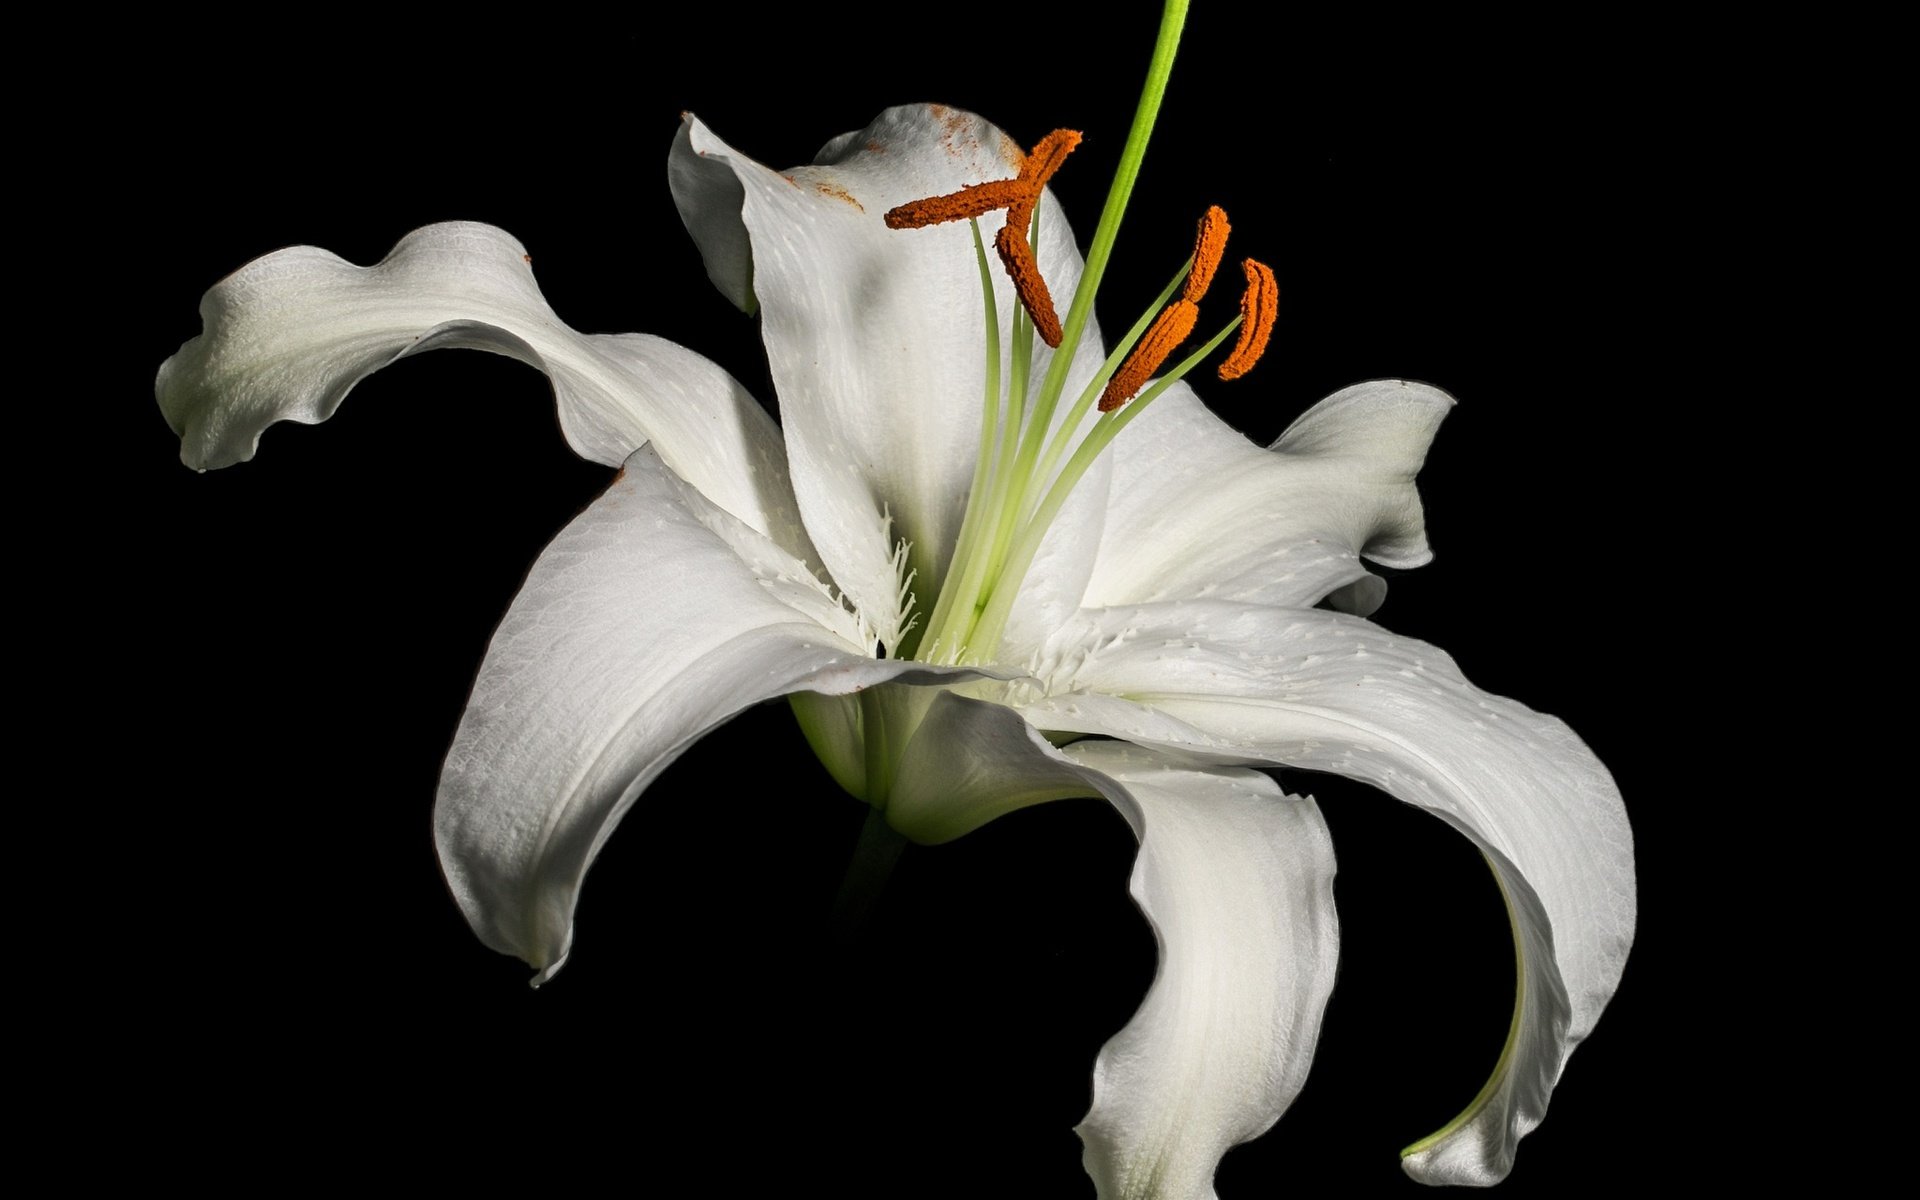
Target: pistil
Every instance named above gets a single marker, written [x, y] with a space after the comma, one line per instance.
[1016, 494]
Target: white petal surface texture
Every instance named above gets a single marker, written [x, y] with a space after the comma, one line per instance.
[1330, 692]
[1236, 878]
[287, 336]
[653, 617]
[1197, 511]
[876, 336]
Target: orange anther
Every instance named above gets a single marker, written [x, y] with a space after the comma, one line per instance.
[1259, 305]
[1163, 337]
[1028, 283]
[1209, 247]
[974, 200]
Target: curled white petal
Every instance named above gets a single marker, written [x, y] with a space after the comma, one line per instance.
[652, 618]
[1329, 692]
[287, 336]
[1200, 512]
[1237, 880]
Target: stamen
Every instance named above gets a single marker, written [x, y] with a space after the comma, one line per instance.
[1019, 196]
[1169, 329]
[1259, 305]
[1209, 247]
[1028, 284]
[974, 200]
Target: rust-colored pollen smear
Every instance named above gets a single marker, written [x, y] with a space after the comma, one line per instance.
[1209, 247]
[1173, 326]
[1259, 305]
[1018, 196]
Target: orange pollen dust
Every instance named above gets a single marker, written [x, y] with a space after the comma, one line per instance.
[1018, 196]
[1209, 247]
[1173, 326]
[1259, 305]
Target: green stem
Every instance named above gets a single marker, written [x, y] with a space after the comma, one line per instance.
[874, 736]
[874, 857]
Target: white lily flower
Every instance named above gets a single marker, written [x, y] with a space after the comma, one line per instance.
[1164, 644]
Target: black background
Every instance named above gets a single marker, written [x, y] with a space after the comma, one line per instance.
[292, 639]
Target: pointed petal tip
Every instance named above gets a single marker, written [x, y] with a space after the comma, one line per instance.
[549, 971]
[1460, 1158]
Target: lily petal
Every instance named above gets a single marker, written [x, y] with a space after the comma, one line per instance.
[1329, 692]
[1198, 511]
[287, 336]
[875, 336]
[1237, 880]
[652, 618]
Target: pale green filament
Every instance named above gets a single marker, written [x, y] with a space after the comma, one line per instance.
[965, 550]
[993, 619]
[1010, 479]
[1098, 383]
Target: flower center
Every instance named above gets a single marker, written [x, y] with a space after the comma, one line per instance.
[1019, 483]
[1028, 464]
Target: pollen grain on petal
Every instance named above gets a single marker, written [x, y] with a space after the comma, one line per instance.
[837, 192]
[1209, 247]
[1173, 326]
[974, 200]
[1017, 255]
[1259, 305]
